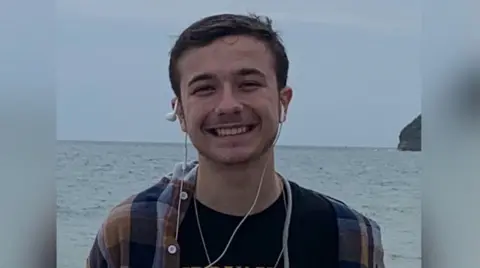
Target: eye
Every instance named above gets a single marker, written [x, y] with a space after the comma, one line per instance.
[250, 85]
[203, 90]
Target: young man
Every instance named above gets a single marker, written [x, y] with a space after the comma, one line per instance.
[229, 75]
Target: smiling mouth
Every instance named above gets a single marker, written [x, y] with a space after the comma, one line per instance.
[230, 131]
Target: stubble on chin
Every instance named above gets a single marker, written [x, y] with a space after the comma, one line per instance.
[240, 160]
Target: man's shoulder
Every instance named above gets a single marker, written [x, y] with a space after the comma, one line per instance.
[344, 213]
[134, 223]
[347, 215]
[150, 202]
[143, 208]
[359, 236]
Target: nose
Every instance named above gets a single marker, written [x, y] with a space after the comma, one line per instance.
[228, 104]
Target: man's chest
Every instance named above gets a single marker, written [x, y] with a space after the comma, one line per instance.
[252, 249]
[313, 239]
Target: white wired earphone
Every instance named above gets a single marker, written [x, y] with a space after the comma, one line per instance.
[172, 117]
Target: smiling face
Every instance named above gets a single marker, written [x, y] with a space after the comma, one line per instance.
[230, 102]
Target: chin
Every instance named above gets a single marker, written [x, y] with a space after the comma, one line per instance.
[231, 156]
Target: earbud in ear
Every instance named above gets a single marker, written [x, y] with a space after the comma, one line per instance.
[282, 113]
[172, 116]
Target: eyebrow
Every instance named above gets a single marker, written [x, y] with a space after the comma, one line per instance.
[200, 77]
[249, 71]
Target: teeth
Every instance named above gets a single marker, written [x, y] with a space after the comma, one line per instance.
[230, 131]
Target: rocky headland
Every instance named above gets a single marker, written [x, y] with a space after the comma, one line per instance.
[410, 138]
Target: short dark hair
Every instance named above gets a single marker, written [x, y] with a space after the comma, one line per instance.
[205, 31]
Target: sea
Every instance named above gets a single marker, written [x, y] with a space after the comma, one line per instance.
[383, 184]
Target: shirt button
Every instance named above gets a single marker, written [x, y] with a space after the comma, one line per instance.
[172, 249]
[183, 195]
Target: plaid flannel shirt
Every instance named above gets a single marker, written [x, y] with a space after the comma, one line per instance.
[140, 232]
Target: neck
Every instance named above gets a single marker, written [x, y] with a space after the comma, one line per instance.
[232, 189]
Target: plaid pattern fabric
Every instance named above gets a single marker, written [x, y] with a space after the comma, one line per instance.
[360, 241]
[140, 232]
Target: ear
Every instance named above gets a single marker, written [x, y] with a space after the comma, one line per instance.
[183, 126]
[181, 117]
[285, 96]
[179, 112]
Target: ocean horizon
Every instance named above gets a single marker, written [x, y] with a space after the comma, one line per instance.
[181, 143]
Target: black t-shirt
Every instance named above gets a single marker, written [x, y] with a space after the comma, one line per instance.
[313, 239]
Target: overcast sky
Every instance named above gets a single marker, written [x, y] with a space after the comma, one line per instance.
[354, 67]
